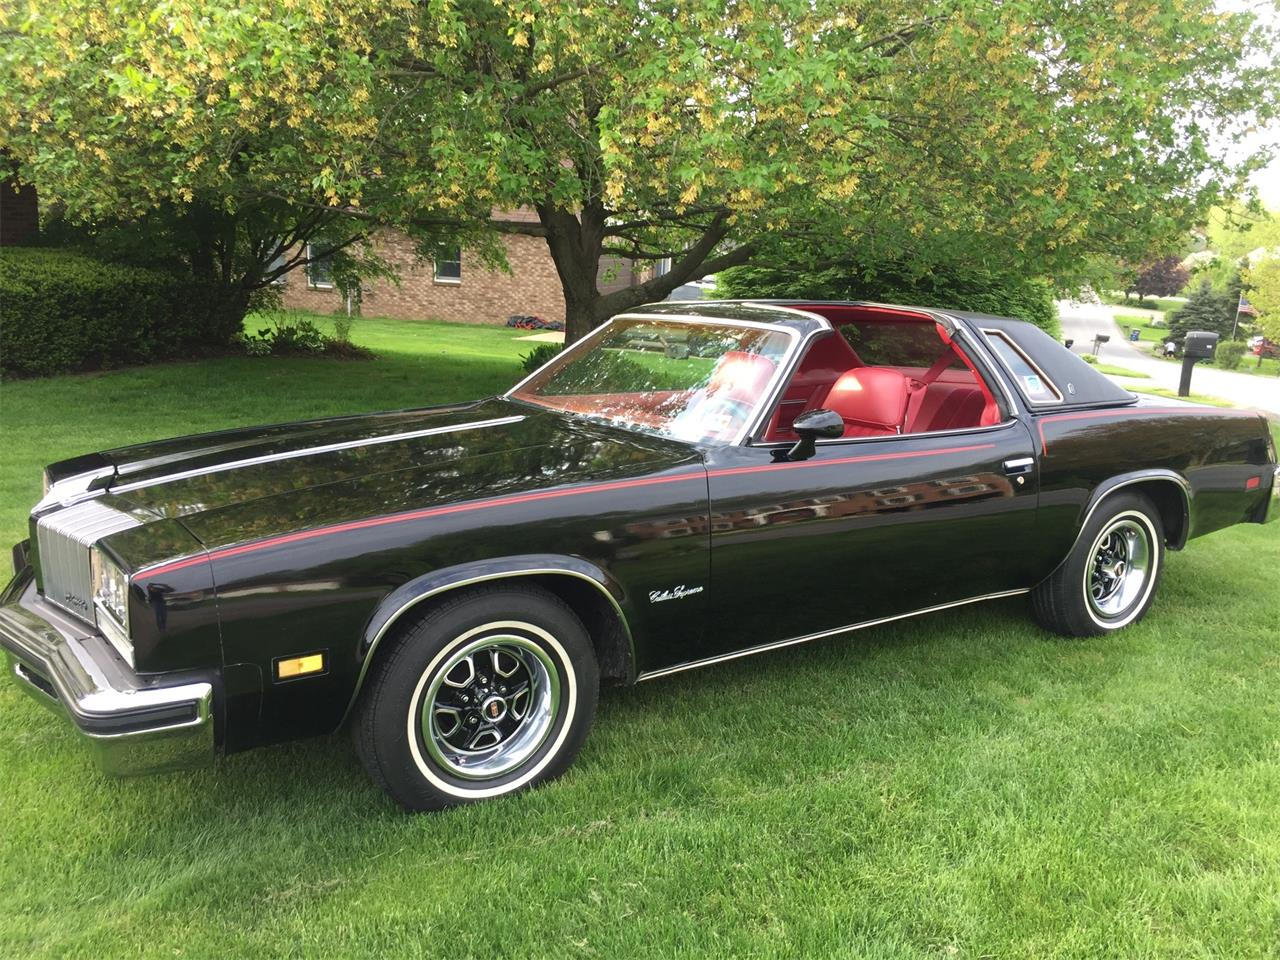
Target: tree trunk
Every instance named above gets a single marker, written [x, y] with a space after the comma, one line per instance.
[577, 243]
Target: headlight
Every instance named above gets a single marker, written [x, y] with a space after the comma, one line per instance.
[110, 591]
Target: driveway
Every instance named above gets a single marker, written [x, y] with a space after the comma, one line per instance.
[1081, 322]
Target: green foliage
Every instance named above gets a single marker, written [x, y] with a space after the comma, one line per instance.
[62, 312]
[702, 130]
[539, 355]
[955, 286]
[1089, 358]
[1229, 354]
[1263, 278]
[289, 335]
[1205, 309]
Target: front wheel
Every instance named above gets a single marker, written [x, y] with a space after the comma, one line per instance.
[1109, 579]
[483, 695]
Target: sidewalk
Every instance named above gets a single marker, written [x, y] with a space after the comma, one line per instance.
[1081, 322]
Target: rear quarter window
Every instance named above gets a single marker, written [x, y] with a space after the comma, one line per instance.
[1035, 386]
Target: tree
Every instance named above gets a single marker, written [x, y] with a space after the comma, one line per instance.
[690, 131]
[1205, 309]
[235, 253]
[791, 271]
[1162, 277]
[1263, 279]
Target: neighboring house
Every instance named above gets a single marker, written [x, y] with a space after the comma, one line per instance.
[456, 287]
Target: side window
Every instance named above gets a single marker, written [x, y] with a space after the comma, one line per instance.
[1030, 379]
[448, 265]
[319, 270]
[878, 344]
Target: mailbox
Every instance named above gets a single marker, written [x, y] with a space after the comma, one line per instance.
[1199, 345]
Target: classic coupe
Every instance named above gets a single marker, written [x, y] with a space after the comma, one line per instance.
[454, 583]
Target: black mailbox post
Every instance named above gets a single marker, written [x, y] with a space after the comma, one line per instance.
[1098, 340]
[1198, 345]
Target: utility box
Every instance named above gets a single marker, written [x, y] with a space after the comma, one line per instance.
[1199, 345]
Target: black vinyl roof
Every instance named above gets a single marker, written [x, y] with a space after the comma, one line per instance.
[1078, 382]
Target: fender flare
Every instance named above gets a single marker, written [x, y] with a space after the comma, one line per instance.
[1112, 484]
[409, 594]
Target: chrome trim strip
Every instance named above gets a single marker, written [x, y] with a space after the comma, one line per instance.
[980, 353]
[72, 489]
[988, 332]
[774, 396]
[471, 581]
[314, 451]
[779, 644]
[839, 441]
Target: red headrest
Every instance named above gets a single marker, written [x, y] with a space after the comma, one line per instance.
[741, 376]
[870, 397]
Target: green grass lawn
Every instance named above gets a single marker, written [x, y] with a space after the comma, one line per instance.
[958, 786]
[1164, 304]
[1114, 371]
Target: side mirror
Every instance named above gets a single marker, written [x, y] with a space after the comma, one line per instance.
[811, 426]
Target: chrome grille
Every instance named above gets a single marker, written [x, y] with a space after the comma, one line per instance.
[63, 539]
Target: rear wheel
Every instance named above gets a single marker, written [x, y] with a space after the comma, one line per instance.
[1109, 580]
[485, 694]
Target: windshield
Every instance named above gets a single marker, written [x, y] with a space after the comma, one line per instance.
[690, 381]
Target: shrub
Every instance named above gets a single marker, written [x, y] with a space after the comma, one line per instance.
[1229, 354]
[539, 355]
[62, 312]
[1089, 358]
[946, 286]
[287, 336]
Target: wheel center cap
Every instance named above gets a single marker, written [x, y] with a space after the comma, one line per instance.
[494, 709]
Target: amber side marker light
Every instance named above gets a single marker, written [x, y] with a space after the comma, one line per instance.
[306, 665]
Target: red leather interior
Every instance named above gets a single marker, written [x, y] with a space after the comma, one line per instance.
[819, 369]
[872, 401]
[945, 406]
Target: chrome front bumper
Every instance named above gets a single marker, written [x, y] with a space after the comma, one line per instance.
[133, 724]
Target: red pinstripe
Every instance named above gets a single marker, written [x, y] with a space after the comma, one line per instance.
[224, 552]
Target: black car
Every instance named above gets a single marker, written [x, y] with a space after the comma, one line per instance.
[455, 582]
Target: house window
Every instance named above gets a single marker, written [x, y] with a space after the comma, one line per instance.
[662, 267]
[449, 265]
[319, 271]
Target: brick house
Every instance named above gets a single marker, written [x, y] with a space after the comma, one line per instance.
[460, 288]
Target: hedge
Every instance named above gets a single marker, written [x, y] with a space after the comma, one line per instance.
[62, 311]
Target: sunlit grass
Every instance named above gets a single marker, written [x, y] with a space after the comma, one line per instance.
[963, 785]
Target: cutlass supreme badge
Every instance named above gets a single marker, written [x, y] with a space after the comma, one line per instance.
[675, 593]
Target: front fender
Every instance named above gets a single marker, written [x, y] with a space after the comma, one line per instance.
[408, 595]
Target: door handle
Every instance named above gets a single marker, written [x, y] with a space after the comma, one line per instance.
[1019, 467]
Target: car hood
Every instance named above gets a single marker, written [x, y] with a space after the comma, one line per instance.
[498, 444]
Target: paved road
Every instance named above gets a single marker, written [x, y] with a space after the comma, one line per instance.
[1082, 321]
